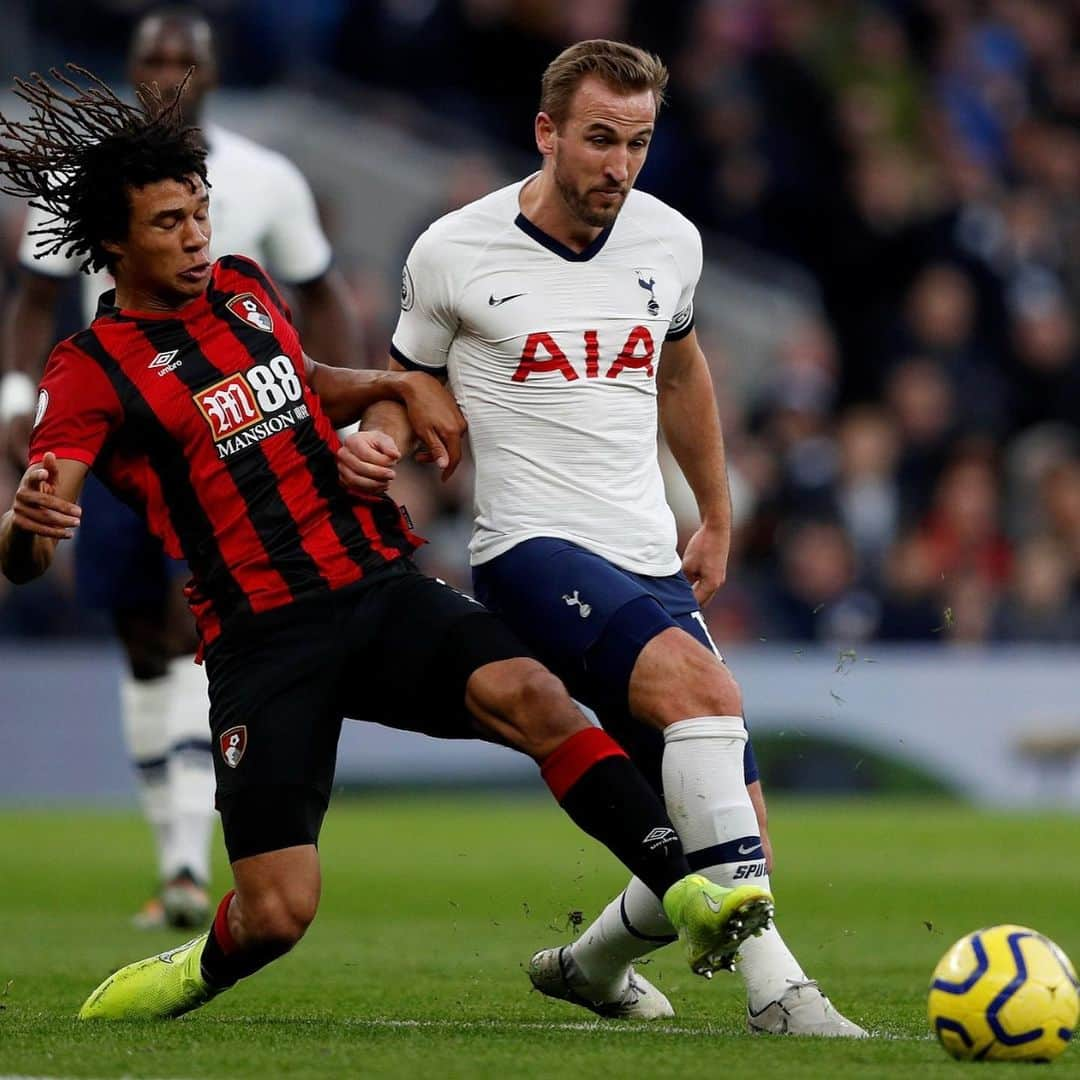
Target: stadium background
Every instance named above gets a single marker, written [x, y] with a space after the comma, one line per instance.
[889, 196]
[890, 203]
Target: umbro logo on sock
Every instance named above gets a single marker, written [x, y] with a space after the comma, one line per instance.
[658, 837]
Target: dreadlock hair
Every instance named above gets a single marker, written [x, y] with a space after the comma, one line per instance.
[80, 151]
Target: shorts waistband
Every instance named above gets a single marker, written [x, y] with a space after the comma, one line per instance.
[248, 622]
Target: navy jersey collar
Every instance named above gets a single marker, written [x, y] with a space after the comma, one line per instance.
[557, 246]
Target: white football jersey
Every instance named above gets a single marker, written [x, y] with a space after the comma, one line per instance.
[552, 356]
[260, 206]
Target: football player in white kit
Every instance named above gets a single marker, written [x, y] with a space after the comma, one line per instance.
[263, 208]
[561, 311]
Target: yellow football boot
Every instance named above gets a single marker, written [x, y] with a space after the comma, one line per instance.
[169, 984]
[712, 922]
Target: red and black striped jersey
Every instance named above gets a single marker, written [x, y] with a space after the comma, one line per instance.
[204, 422]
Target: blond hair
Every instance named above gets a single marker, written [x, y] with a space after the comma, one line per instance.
[625, 68]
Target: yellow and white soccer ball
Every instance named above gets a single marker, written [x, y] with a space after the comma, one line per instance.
[1005, 993]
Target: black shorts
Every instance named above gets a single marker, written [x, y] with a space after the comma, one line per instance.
[396, 649]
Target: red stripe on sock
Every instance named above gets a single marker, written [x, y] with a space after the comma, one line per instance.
[574, 757]
[221, 924]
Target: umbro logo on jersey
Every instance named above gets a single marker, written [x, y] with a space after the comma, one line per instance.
[495, 302]
[165, 361]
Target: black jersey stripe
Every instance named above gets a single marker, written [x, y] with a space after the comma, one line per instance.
[312, 448]
[322, 466]
[252, 474]
[190, 521]
[254, 272]
[383, 517]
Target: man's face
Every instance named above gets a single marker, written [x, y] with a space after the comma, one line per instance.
[599, 149]
[163, 52]
[166, 255]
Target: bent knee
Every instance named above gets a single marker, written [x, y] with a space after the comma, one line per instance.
[531, 708]
[542, 709]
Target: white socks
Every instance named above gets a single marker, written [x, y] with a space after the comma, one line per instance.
[191, 770]
[707, 802]
[168, 738]
[631, 926]
[144, 705]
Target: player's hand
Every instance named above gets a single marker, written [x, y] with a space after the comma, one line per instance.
[15, 439]
[38, 510]
[436, 420]
[705, 562]
[366, 462]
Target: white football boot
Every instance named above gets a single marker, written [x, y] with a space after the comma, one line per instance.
[554, 973]
[803, 1009]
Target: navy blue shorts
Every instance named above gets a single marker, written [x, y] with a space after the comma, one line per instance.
[119, 566]
[562, 600]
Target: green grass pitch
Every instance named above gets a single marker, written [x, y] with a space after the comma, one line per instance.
[432, 906]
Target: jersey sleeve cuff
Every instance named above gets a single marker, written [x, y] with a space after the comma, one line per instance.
[73, 453]
[309, 278]
[678, 335]
[413, 365]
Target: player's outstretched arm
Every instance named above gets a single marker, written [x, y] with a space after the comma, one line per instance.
[43, 512]
[426, 407]
[428, 419]
[691, 426]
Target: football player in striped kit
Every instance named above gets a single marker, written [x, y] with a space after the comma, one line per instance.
[120, 567]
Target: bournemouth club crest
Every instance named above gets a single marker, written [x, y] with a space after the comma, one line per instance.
[251, 310]
[233, 743]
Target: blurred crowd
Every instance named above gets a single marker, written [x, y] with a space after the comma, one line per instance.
[908, 469]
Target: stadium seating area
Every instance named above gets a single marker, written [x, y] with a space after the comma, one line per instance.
[905, 458]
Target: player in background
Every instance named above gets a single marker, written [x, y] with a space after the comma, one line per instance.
[561, 309]
[306, 600]
[263, 208]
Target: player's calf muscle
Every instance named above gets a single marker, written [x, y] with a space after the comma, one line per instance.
[277, 897]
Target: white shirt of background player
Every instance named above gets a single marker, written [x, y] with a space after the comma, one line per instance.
[260, 206]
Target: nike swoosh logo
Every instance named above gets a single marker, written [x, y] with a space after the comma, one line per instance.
[747, 850]
[503, 299]
[714, 907]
